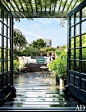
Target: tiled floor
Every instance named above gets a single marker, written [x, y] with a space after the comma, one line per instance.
[35, 92]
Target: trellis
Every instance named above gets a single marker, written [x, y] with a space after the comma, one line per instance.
[40, 8]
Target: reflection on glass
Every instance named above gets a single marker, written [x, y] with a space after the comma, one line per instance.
[83, 67]
[72, 53]
[84, 40]
[77, 41]
[77, 53]
[77, 17]
[72, 43]
[84, 54]
[8, 65]
[72, 31]
[77, 66]
[77, 29]
[83, 27]
[84, 13]
[72, 65]
[5, 66]
[72, 20]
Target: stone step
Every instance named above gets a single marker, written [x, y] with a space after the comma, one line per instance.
[37, 108]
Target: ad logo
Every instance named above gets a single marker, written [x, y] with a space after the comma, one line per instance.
[80, 108]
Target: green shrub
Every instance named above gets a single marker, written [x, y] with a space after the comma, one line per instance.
[60, 64]
[15, 64]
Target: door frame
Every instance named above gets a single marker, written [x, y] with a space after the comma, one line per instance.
[76, 79]
[6, 76]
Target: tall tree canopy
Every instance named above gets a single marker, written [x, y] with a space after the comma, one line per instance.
[19, 39]
[39, 43]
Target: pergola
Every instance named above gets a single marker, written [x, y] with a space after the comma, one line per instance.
[76, 19]
[40, 8]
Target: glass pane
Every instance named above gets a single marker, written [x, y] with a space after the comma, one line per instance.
[83, 27]
[9, 43]
[4, 17]
[4, 42]
[77, 41]
[0, 40]
[8, 65]
[72, 53]
[0, 68]
[72, 20]
[4, 30]
[77, 66]
[84, 54]
[72, 43]
[8, 21]
[77, 17]
[84, 40]
[0, 53]
[8, 54]
[0, 13]
[8, 32]
[83, 67]
[0, 27]
[77, 53]
[84, 13]
[77, 29]
[5, 66]
[72, 65]
[4, 53]
[72, 31]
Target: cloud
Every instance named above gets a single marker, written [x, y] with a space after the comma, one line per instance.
[35, 35]
[30, 33]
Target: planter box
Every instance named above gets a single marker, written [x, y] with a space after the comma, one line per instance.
[61, 83]
[41, 54]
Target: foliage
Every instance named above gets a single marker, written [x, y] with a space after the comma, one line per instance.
[30, 51]
[39, 43]
[60, 64]
[15, 71]
[48, 49]
[15, 64]
[19, 39]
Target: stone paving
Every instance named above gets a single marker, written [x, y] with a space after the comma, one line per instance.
[39, 92]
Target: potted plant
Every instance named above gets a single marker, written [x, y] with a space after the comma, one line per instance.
[41, 52]
[16, 67]
[15, 72]
[48, 53]
[62, 65]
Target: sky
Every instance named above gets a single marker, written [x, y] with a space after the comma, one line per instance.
[48, 28]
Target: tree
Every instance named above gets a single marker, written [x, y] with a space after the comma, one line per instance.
[39, 43]
[19, 39]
